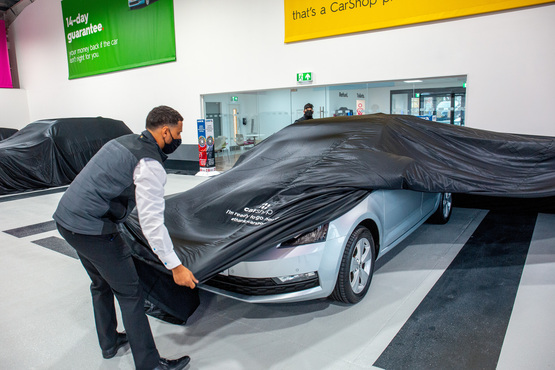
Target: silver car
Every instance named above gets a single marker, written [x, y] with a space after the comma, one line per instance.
[337, 259]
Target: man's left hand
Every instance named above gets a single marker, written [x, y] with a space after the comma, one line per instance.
[184, 277]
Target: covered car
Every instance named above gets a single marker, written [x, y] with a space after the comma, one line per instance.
[50, 153]
[312, 172]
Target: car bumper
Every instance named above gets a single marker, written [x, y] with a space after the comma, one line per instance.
[312, 267]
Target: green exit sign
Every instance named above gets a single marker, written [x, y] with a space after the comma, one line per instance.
[304, 77]
[234, 98]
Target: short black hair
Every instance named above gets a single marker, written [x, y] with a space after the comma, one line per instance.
[162, 116]
[308, 105]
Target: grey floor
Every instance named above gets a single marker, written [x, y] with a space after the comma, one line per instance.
[46, 317]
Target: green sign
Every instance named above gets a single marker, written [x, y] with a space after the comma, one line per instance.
[234, 98]
[105, 35]
[304, 77]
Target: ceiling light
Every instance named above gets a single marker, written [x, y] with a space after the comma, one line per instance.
[412, 81]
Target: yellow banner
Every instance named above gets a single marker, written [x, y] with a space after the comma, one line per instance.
[310, 19]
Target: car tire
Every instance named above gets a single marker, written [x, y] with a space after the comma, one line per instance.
[357, 267]
[443, 213]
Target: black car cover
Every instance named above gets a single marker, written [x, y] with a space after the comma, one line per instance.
[6, 132]
[49, 153]
[312, 172]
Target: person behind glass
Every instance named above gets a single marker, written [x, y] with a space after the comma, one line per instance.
[308, 111]
[126, 171]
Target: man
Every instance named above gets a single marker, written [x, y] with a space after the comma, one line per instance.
[308, 111]
[125, 171]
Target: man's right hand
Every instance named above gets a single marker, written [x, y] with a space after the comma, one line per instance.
[184, 277]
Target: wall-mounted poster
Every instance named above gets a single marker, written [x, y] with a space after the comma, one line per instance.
[111, 35]
[5, 72]
[311, 19]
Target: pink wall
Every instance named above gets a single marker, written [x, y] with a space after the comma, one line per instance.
[5, 74]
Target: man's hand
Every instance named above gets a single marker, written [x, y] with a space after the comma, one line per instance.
[183, 276]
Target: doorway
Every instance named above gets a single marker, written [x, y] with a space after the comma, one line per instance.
[214, 112]
[447, 108]
[314, 95]
[443, 104]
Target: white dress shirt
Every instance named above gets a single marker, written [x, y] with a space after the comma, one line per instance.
[149, 178]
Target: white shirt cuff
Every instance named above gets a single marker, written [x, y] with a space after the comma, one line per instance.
[170, 260]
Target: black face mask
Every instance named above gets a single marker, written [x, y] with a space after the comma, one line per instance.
[308, 114]
[171, 147]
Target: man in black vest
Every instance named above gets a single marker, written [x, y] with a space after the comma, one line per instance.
[125, 172]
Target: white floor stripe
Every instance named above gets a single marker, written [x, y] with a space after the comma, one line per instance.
[530, 339]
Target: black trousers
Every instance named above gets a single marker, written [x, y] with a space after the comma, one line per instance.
[110, 266]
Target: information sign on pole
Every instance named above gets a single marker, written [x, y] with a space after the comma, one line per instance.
[207, 161]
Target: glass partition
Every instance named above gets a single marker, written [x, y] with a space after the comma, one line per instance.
[245, 118]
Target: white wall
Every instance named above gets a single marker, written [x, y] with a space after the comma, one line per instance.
[508, 58]
[14, 111]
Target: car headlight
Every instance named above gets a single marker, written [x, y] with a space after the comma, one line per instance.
[296, 278]
[314, 236]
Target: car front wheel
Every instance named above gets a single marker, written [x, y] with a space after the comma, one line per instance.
[357, 267]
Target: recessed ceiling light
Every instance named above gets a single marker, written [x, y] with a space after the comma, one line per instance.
[412, 81]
